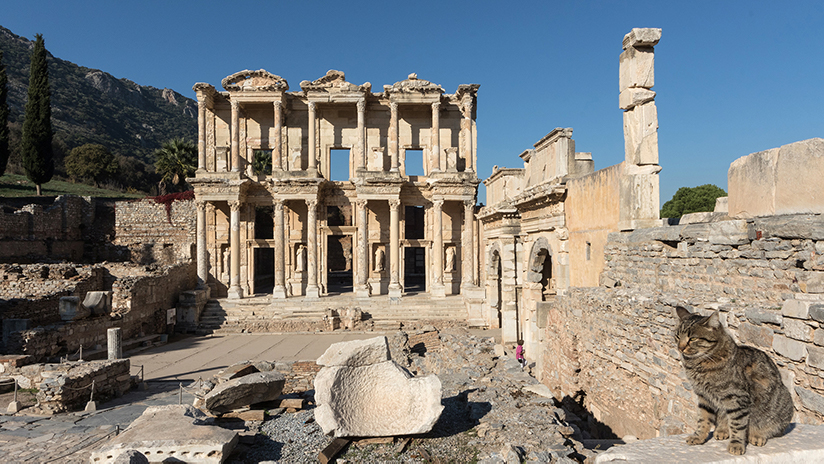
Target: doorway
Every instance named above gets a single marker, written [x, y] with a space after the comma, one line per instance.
[339, 264]
[415, 271]
[264, 270]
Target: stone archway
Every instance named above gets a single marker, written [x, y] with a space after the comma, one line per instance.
[494, 287]
[540, 267]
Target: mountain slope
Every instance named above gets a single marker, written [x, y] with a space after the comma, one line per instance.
[92, 106]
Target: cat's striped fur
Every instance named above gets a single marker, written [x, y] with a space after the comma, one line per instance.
[739, 387]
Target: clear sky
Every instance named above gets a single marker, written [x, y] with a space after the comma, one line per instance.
[732, 77]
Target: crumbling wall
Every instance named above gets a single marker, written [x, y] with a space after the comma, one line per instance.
[158, 231]
[612, 346]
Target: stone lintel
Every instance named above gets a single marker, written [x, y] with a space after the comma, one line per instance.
[642, 37]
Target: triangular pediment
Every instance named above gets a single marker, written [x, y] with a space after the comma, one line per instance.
[412, 84]
[259, 80]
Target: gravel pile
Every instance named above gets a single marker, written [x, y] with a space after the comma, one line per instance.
[487, 418]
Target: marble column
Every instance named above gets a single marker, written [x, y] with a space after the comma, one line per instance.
[361, 152]
[311, 160]
[201, 135]
[467, 131]
[393, 137]
[395, 248]
[235, 291]
[467, 277]
[362, 288]
[435, 151]
[279, 290]
[236, 144]
[202, 255]
[312, 249]
[276, 139]
[438, 250]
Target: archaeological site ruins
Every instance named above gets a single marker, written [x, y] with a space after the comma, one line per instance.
[342, 207]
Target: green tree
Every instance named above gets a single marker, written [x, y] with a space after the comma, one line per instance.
[36, 146]
[692, 200]
[91, 161]
[262, 162]
[176, 160]
[4, 117]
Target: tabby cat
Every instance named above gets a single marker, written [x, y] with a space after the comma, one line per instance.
[739, 387]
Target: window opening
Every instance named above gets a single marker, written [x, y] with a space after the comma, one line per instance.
[262, 162]
[414, 162]
[339, 164]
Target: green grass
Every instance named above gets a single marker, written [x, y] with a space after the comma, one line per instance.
[15, 185]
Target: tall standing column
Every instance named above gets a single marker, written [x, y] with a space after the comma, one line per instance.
[276, 140]
[362, 289]
[201, 135]
[395, 246]
[467, 130]
[279, 289]
[235, 291]
[361, 154]
[311, 163]
[467, 245]
[435, 151]
[312, 250]
[393, 137]
[202, 256]
[438, 250]
[236, 144]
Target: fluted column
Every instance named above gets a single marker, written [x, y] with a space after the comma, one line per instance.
[312, 249]
[235, 290]
[201, 135]
[311, 163]
[467, 245]
[438, 250]
[202, 255]
[393, 137]
[276, 139]
[435, 151]
[395, 247]
[279, 289]
[467, 130]
[361, 153]
[362, 288]
[236, 144]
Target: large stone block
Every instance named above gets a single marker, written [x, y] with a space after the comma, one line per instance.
[642, 37]
[636, 68]
[641, 134]
[244, 391]
[635, 96]
[71, 310]
[639, 201]
[789, 348]
[99, 303]
[359, 394]
[784, 180]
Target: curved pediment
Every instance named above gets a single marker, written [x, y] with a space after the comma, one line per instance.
[412, 84]
[334, 82]
[259, 80]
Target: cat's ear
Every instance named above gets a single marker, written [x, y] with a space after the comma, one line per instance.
[713, 320]
[682, 312]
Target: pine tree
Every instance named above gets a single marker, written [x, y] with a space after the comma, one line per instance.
[36, 144]
[4, 117]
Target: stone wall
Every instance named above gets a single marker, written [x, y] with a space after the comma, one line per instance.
[612, 348]
[158, 230]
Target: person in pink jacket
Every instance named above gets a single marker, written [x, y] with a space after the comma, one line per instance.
[520, 354]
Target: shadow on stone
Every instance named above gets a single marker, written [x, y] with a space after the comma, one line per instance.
[458, 416]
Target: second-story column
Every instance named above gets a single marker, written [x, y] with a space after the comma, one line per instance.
[312, 249]
[201, 135]
[393, 137]
[438, 250]
[311, 154]
[235, 291]
[361, 152]
[435, 150]
[467, 131]
[276, 139]
[395, 248]
[279, 289]
[235, 144]
[362, 288]
[467, 277]
[202, 255]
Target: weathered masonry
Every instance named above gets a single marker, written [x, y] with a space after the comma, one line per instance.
[335, 188]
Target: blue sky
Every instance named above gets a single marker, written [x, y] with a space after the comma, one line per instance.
[732, 77]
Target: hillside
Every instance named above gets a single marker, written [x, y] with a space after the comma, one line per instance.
[89, 105]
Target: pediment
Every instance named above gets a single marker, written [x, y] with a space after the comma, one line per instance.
[412, 84]
[259, 80]
[334, 82]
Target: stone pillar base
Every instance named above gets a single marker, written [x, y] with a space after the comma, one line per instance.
[438, 291]
[395, 292]
[279, 293]
[362, 292]
[313, 293]
[234, 293]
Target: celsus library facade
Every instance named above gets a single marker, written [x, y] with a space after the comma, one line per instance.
[335, 188]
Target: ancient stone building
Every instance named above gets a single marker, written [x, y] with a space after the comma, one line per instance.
[335, 188]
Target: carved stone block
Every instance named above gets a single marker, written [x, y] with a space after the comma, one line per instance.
[642, 37]
[635, 96]
[641, 136]
[636, 68]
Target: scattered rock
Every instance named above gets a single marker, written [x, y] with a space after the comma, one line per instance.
[245, 391]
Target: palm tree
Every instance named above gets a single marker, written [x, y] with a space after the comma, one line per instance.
[176, 160]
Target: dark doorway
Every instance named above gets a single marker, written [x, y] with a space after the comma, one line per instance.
[339, 264]
[497, 264]
[415, 276]
[547, 284]
[414, 222]
[264, 270]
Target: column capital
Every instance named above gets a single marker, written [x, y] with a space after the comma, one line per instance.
[235, 104]
[438, 203]
[436, 106]
[311, 105]
[277, 104]
[361, 105]
[361, 202]
[394, 203]
[467, 109]
[469, 204]
[210, 207]
[311, 203]
[201, 104]
[279, 205]
[235, 205]
[394, 106]
[201, 205]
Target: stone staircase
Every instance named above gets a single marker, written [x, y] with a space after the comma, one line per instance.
[261, 314]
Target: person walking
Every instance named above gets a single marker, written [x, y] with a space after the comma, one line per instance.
[520, 354]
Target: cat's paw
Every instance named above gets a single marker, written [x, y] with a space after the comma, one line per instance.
[695, 439]
[736, 448]
[721, 434]
[757, 440]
